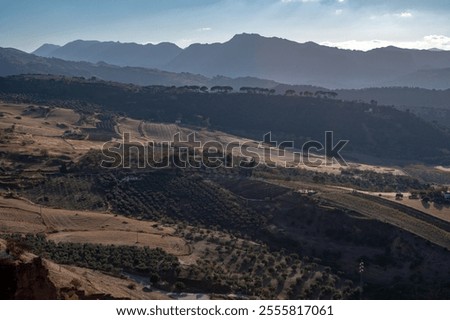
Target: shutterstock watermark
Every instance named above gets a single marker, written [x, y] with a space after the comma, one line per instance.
[191, 152]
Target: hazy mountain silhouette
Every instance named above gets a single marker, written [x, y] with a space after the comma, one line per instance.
[307, 63]
[429, 78]
[274, 58]
[120, 54]
[14, 62]
[46, 50]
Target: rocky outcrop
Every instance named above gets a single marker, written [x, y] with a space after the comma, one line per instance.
[25, 279]
[32, 281]
[25, 276]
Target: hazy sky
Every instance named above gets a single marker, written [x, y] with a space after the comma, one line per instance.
[356, 24]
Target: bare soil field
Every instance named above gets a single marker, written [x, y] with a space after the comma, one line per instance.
[21, 216]
[175, 246]
[40, 130]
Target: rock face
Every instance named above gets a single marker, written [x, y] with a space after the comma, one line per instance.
[8, 281]
[32, 281]
[25, 277]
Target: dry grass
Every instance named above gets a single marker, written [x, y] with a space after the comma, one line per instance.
[169, 244]
[441, 212]
[33, 133]
[18, 215]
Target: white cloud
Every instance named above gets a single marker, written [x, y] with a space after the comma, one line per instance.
[404, 14]
[204, 29]
[438, 41]
[428, 42]
[338, 11]
[302, 1]
[183, 43]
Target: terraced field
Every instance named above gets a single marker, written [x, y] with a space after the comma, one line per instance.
[163, 132]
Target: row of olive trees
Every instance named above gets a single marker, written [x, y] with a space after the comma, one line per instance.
[317, 94]
[257, 90]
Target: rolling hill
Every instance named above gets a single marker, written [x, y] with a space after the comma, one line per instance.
[379, 131]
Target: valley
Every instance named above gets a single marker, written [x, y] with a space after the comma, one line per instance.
[294, 232]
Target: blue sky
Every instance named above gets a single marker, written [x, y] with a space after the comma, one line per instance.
[355, 24]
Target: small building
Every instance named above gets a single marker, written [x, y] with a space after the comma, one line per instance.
[414, 196]
[447, 195]
[309, 192]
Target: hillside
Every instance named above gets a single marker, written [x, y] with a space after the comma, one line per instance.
[209, 232]
[378, 131]
[430, 104]
[27, 276]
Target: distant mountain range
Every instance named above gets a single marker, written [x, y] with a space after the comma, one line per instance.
[281, 60]
[14, 62]
[116, 53]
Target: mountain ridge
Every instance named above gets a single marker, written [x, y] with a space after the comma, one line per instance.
[122, 54]
[16, 62]
[278, 59]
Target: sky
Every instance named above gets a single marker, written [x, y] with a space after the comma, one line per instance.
[349, 24]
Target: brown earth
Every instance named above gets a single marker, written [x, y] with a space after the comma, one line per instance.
[22, 216]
